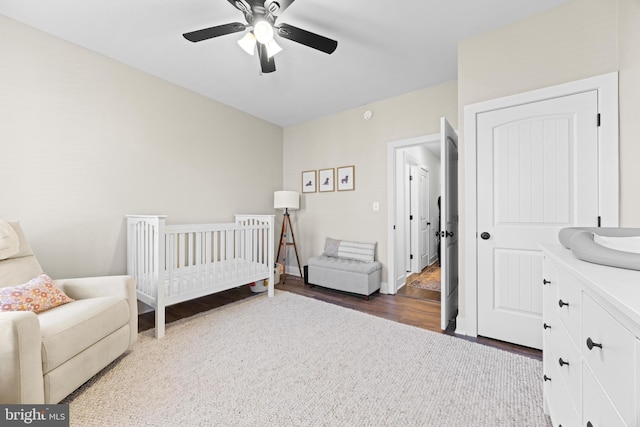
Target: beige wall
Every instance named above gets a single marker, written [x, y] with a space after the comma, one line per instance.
[629, 80]
[347, 139]
[574, 41]
[85, 140]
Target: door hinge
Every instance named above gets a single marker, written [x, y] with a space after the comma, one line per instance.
[394, 227]
[410, 177]
[599, 221]
[598, 119]
[410, 217]
[411, 256]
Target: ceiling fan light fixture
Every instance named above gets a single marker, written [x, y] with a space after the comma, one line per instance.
[263, 31]
[248, 43]
[272, 48]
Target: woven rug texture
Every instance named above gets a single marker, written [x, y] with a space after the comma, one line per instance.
[295, 361]
[428, 279]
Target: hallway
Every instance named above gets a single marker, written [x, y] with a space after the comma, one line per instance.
[424, 285]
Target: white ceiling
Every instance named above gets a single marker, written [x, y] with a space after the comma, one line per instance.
[385, 48]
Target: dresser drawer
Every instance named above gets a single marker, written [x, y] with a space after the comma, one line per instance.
[569, 303]
[598, 410]
[608, 348]
[556, 394]
[567, 360]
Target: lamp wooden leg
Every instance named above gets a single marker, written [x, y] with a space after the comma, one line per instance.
[283, 242]
[295, 247]
[287, 228]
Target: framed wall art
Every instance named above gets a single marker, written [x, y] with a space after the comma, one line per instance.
[325, 180]
[346, 178]
[309, 181]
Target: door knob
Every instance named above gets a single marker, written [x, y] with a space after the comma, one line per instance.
[485, 235]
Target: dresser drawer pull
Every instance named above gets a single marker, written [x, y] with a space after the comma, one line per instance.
[546, 378]
[562, 303]
[562, 362]
[546, 326]
[545, 281]
[591, 344]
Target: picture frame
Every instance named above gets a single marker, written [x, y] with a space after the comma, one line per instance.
[309, 181]
[326, 180]
[346, 178]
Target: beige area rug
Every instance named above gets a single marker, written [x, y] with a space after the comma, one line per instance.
[295, 361]
[427, 279]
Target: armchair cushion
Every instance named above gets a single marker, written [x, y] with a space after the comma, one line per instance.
[70, 329]
[37, 295]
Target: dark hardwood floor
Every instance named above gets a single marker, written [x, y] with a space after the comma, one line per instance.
[425, 294]
[411, 311]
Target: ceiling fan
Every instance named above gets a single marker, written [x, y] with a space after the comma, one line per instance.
[261, 16]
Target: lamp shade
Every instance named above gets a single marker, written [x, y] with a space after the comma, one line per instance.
[286, 200]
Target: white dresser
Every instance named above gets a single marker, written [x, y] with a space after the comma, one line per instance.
[591, 343]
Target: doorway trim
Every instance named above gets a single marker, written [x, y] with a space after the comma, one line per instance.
[392, 149]
[607, 87]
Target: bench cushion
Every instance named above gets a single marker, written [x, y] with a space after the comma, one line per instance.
[344, 264]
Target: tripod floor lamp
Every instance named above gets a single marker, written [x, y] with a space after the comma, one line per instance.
[287, 200]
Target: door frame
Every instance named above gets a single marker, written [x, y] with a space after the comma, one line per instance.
[393, 148]
[607, 87]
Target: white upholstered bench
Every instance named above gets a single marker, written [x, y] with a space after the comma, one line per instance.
[346, 266]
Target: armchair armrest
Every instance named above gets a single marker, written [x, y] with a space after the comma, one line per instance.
[20, 358]
[92, 287]
[104, 286]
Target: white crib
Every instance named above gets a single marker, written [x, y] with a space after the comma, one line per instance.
[176, 263]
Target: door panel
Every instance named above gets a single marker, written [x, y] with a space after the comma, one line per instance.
[537, 173]
[423, 213]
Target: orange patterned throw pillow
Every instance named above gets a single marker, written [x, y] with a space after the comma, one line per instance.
[36, 295]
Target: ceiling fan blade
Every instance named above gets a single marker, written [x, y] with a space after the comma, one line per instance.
[276, 7]
[219, 30]
[241, 5]
[307, 38]
[266, 64]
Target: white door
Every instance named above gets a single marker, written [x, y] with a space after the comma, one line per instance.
[449, 227]
[423, 216]
[411, 206]
[537, 171]
[399, 250]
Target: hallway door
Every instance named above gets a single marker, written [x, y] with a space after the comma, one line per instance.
[449, 214]
[423, 217]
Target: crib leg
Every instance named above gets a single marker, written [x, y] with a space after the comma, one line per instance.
[159, 322]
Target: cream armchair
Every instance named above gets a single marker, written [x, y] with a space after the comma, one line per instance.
[46, 356]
